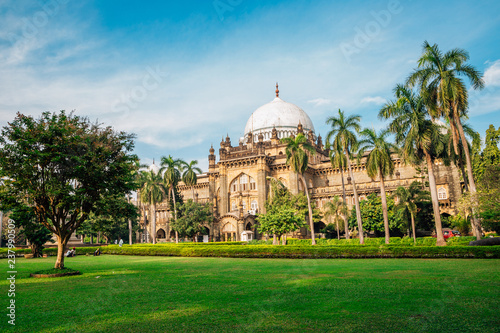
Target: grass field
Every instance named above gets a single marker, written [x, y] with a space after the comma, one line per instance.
[172, 294]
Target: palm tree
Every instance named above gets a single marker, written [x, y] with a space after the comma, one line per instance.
[344, 137]
[459, 159]
[338, 160]
[171, 169]
[419, 138]
[408, 201]
[189, 177]
[297, 159]
[336, 208]
[378, 163]
[438, 75]
[152, 192]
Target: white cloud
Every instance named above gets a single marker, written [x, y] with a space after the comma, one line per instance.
[492, 74]
[319, 101]
[377, 100]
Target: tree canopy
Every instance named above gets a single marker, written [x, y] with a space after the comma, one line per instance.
[63, 166]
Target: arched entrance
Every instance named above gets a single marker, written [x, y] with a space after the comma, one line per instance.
[318, 226]
[249, 226]
[229, 232]
[160, 234]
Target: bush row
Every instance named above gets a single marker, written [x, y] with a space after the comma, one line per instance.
[308, 251]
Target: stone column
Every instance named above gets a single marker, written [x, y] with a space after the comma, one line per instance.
[223, 209]
[261, 184]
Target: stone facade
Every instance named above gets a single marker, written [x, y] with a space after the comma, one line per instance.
[237, 184]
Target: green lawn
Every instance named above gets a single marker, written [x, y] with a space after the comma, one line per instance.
[174, 294]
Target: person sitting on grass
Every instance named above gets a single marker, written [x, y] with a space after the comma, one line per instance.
[97, 252]
[70, 253]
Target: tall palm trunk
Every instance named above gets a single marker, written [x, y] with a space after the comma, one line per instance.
[129, 226]
[346, 224]
[435, 203]
[338, 232]
[384, 206]
[153, 222]
[192, 190]
[175, 216]
[311, 224]
[413, 228]
[470, 176]
[356, 201]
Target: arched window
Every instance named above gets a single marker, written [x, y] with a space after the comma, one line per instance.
[442, 194]
[254, 205]
[252, 184]
[233, 206]
[244, 182]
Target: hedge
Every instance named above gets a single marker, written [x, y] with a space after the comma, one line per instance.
[308, 251]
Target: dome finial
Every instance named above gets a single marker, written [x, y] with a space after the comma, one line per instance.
[277, 90]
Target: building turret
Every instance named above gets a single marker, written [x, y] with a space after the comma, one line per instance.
[211, 158]
[300, 129]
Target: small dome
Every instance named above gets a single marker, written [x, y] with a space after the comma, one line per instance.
[153, 167]
[283, 116]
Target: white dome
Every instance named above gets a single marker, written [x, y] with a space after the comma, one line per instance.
[284, 116]
[153, 167]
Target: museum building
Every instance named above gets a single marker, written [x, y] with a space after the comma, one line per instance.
[237, 181]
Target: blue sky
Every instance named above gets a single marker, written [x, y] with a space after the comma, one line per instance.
[182, 74]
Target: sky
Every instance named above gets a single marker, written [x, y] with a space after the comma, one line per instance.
[183, 74]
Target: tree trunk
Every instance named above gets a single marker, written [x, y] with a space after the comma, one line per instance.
[61, 246]
[464, 174]
[192, 190]
[129, 226]
[356, 201]
[338, 231]
[275, 241]
[435, 203]
[36, 250]
[311, 224]
[346, 223]
[1, 226]
[384, 207]
[153, 223]
[472, 185]
[413, 229]
[175, 217]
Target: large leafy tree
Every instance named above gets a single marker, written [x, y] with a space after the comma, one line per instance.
[419, 137]
[62, 166]
[378, 163]
[193, 219]
[112, 217]
[190, 175]
[152, 192]
[338, 160]
[373, 219]
[343, 135]
[297, 157]
[439, 77]
[172, 173]
[409, 200]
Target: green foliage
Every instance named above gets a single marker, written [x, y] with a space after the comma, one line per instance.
[36, 233]
[111, 219]
[280, 220]
[285, 212]
[489, 199]
[193, 219]
[373, 220]
[459, 223]
[63, 166]
[307, 251]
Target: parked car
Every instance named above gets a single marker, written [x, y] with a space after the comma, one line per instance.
[447, 233]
